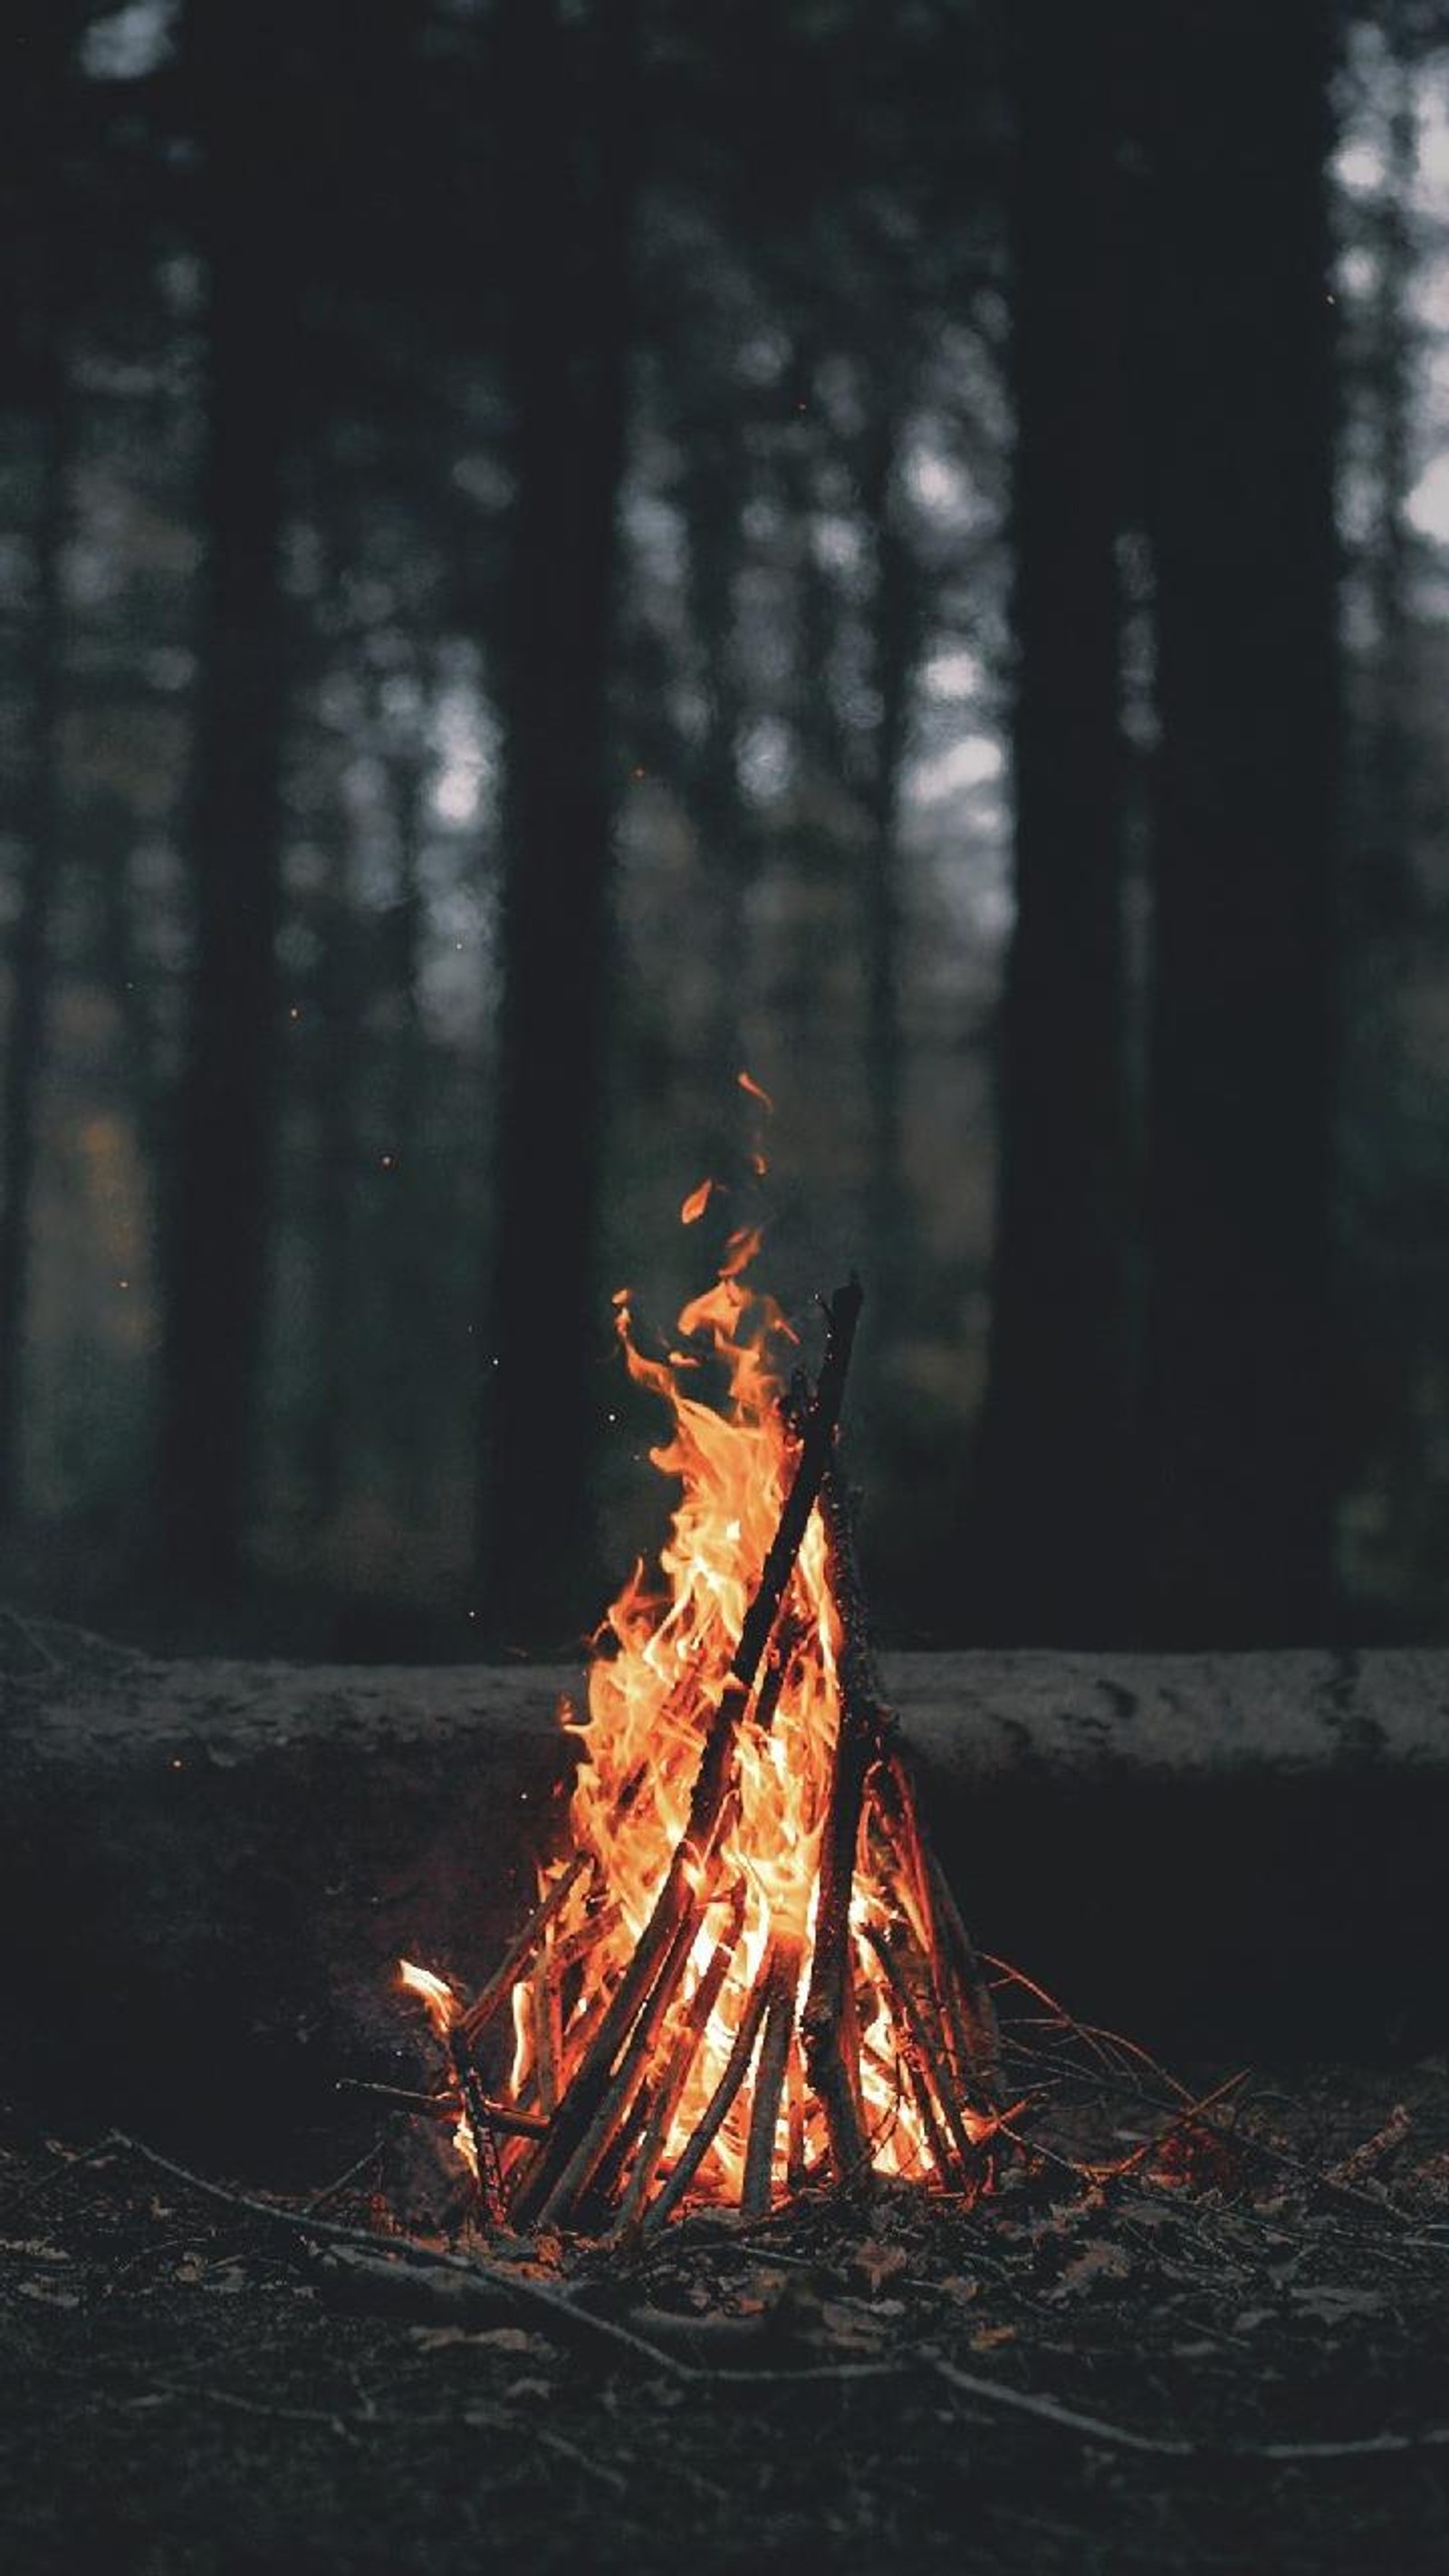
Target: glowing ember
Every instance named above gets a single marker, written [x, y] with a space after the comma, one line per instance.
[746, 1972]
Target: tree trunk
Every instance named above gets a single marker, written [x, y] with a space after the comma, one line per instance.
[220, 1219]
[895, 643]
[42, 278]
[1051, 1432]
[1385, 878]
[1237, 1536]
[713, 498]
[333, 1227]
[28, 956]
[569, 141]
[408, 1252]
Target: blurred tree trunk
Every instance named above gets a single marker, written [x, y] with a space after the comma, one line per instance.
[42, 274]
[713, 498]
[1385, 882]
[408, 1251]
[1238, 1519]
[334, 1206]
[895, 638]
[28, 948]
[568, 113]
[235, 63]
[1049, 1500]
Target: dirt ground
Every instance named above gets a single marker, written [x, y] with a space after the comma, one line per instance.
[1231, 2356]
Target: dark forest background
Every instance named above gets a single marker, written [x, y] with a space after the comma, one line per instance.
[557, 549]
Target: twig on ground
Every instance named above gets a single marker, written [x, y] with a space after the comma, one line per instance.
[1120, 2437]
[572, 2323]
[336, 2419]
[330, 2190]
[1183, 2119]
[52, 2180]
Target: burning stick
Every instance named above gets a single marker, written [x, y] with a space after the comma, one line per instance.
[770, 2080]
[546, 2023]
[624, 2085]
[666, 2103]
[708, 2128]
[923, 2058]
[505, 1976]
[505, 2117]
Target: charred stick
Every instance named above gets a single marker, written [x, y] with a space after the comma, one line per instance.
[981, 2036]
[442, 2106]
[425, 2106]
[735, 2069]
[770, 2078]
[571, 1947]
[831, 2044]
[485, 2143]
[591, 2085]
[504, 1978]
[961, 1995]
[515, 2151]
[543, 2013]
[686, 2048]
[623, 2086]
[926, 2111]
[789, 1636]
[795, 2117]
[825, 2023]
[901, 2074]
[618, 2155]
[579, 2107]
[921, 2049]
[860, 1682]
[896, 1811]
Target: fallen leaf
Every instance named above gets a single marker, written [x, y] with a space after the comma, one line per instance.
[1099, 2262]
[954, 2286]
[486, 2338]
[853, 2329]
[46, 2297]
[986, 2338]
[877, 2262]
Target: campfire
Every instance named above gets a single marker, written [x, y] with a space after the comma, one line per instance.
[745, 1973]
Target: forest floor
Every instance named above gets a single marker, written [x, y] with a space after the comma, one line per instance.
[1234, 2355]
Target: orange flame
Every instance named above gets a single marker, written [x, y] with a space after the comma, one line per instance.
[696, 1203]
[661, 1657]
[442, 2004]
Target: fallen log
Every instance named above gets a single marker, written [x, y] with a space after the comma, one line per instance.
[211, 1868]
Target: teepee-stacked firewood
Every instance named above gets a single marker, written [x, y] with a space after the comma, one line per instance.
[747, 1972]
